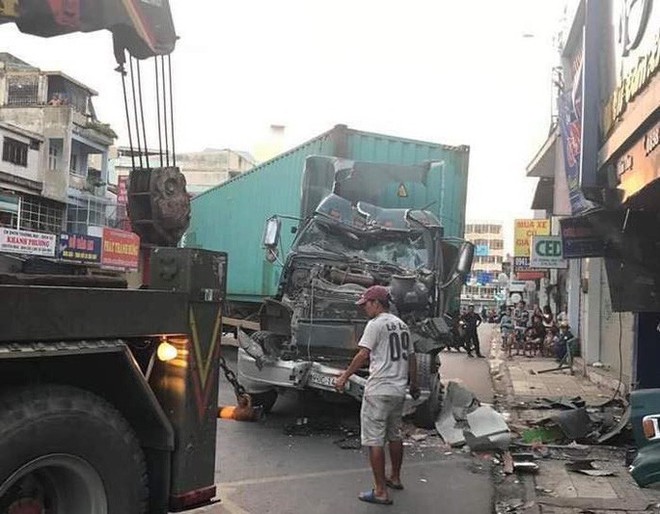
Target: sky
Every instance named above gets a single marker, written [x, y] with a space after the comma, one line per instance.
[472, 72]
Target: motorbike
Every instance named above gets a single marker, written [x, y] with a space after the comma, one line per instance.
[458, 331]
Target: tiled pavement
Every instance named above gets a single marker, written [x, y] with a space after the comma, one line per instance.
[557, 490]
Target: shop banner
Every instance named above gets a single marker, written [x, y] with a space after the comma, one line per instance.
[571, 139]
[121, 249]
[79, 248]
[27, 243]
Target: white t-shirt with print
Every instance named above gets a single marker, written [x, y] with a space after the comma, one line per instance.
[388, 340]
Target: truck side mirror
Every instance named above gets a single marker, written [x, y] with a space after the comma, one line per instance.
[465, 257]
[272, 233]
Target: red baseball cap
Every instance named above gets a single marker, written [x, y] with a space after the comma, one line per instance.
[374, 293]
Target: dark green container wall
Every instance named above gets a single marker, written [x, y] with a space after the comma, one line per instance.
[231, 217]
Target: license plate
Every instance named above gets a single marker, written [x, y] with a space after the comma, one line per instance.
[322, 380]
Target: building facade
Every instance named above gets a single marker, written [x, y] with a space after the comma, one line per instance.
[49, 132]
[598, 176]
[482, 287]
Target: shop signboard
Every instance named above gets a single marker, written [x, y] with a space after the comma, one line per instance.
[79, 248]
[640, 165]
[547, 253]
[523, 231]
[121, 249]
[579, 238]
[27, 243]
[636, 55]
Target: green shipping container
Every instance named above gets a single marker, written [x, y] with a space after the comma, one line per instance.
[231, 216]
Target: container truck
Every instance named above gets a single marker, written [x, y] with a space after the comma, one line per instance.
[356, 224]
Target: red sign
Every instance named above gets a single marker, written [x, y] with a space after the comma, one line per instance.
[530, 275]
[120, 249]
[122, 189]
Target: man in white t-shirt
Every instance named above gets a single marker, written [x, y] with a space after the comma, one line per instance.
[386, 344]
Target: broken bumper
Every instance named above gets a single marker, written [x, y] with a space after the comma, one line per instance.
[302, 375]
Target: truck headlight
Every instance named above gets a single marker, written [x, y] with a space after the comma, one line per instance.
[166, 351]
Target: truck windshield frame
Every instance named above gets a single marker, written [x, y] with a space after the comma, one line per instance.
[408, 249]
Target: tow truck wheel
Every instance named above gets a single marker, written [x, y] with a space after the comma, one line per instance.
[67, 451]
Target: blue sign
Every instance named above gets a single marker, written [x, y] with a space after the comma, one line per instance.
[481, 251]
[79, 248]
[570, 127]
[484, 278]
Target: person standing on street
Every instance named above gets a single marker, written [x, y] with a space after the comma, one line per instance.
[386, 344]
[472, 321]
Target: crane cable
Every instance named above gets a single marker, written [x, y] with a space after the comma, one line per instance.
[163, 83]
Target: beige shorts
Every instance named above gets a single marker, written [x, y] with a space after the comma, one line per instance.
[380, 419]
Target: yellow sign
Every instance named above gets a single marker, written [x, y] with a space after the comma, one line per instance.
[402, 192]
[523, 232]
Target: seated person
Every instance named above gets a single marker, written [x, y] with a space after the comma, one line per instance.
[564, 336]
[534, 336]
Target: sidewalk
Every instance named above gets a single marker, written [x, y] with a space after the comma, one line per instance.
[554, 489]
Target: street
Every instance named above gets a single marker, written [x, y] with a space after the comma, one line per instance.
[259, 468]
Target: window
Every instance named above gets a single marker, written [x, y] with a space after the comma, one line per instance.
[23, 90]
[14, 151]
[52, 157]
[74, 163]
[41, 214]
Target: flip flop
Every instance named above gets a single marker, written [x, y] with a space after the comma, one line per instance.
[370, 497]
[393, 485]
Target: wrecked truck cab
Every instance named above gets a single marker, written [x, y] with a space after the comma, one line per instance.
[310, 330]
[645, 419]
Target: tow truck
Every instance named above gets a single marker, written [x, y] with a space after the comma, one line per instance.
[108, 396]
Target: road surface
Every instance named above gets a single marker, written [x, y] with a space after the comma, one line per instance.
[261, 469]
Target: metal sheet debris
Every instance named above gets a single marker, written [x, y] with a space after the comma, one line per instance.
[586, 467]
[453, 416]
[575, 423]
[487, 430]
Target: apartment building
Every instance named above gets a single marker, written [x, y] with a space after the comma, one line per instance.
[49, 132]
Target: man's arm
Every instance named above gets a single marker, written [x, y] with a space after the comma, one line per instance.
[358, 361]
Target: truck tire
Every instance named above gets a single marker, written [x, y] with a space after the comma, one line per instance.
[67, 451]
[428, 379]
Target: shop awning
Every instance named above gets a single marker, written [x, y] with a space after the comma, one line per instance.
[543, 163]
[544, 195]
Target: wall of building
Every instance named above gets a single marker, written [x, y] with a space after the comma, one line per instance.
[31, 171]
[617, 335]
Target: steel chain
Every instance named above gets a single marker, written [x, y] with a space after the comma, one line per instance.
[239, 390]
